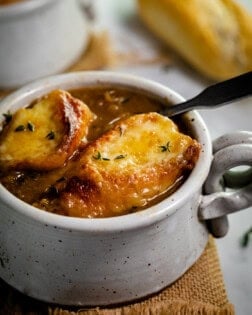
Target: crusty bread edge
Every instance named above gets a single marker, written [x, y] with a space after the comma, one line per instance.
[175, 23]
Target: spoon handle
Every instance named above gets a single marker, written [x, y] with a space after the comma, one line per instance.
[216, 95]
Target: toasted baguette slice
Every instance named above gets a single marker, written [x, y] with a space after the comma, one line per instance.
[140, 158]
[43, 136]
[213, 36]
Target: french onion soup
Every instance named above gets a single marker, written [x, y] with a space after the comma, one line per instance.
[93, 152]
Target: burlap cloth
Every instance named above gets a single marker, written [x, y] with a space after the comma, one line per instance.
[200, 291]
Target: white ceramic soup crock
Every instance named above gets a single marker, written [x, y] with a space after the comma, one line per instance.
[105, 261]
[39, 38]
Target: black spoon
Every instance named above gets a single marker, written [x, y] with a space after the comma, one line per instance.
[215, 95]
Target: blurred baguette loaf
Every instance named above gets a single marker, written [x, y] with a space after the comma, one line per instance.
[214, 36]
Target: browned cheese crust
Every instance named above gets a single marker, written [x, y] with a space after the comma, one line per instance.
[139, 158]
[44, 135]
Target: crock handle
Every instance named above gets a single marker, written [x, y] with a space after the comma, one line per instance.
[230, 150]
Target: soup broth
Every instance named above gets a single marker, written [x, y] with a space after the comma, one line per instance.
[110, 106]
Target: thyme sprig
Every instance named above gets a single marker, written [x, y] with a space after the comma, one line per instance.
[50, 135]
[29, 127]
[120, 156]
[20, 128]
[99, 156]
[165, 147]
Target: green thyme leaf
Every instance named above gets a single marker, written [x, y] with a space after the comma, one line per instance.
[20, 128]
[30, 126]
[119, 157]
[50, 135]
[166, 147]
[97, 156]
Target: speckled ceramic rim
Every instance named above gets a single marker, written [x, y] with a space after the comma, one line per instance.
[146, 217]
[20, 8]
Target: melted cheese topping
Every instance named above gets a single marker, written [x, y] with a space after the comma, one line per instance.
[140, 158]
[43, 136]
[139, 141]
